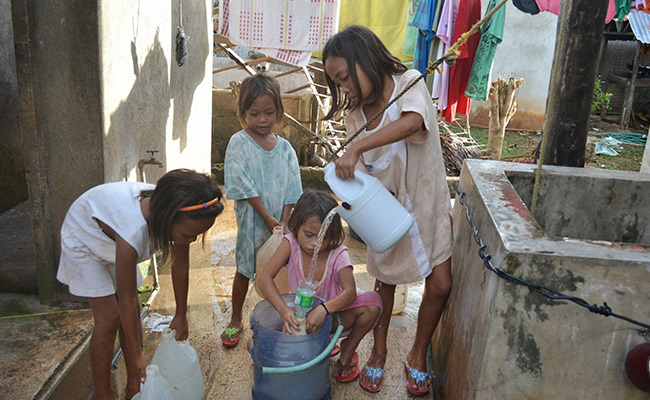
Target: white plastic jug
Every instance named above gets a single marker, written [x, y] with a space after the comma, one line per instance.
[179, 364]
[156, 387]
[264, 254]
[374, 213]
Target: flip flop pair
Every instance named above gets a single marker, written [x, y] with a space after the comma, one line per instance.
[418, 376]
[374, 373]
[233, 335]
[352, 375]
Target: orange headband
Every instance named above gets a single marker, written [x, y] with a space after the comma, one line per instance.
[200, 206]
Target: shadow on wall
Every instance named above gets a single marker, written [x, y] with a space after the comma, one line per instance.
[139, 123]
[186, 78]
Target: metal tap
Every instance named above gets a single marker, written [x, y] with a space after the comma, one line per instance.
[148, 161]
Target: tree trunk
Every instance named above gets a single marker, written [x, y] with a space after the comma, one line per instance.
[502, 107]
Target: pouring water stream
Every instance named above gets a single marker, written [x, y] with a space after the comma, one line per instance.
[319, 242]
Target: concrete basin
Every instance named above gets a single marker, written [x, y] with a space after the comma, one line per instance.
[589, 239]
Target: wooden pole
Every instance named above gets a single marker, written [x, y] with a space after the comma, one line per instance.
[568, 107]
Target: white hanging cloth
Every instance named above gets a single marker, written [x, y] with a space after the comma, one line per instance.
[288, 30]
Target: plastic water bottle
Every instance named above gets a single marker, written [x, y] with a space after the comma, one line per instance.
[156, 387]
[304, 299]
[179, 364]
[303, 327]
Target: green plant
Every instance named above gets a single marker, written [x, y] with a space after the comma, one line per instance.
[601, 98]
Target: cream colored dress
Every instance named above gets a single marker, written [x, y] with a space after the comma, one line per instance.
[414, 171]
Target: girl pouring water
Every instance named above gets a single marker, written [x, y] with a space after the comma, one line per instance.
[402, 149]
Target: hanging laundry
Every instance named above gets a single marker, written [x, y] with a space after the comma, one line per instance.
[639, 5]
[408, 48]
[384, 17]
[622, 9]
[469, 12]
[527, 6]
[423, 20]
[288, 30]
[553, 6]
[478, 84]
[445, 32]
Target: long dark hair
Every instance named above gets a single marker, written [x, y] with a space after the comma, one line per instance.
[315, 203]
[179, 188]
[358, 45]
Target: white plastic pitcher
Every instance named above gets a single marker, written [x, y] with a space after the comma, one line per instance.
[374, 213]
[179, 364]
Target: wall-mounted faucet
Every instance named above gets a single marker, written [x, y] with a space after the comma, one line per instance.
[148, 161]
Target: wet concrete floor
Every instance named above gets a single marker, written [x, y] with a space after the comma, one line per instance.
[228, 373]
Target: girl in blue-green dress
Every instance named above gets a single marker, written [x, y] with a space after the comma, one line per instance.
[262, 177]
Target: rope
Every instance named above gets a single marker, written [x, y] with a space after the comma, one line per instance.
[545, 291]
[538, 174]
[449, 57]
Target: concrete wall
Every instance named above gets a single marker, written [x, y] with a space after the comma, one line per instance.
[225, 122]
[645, 163]
[99, 87]
[526, 52]
[13, 186]
[498, 339]
[149, 102]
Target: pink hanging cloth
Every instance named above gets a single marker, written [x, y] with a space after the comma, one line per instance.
[553, 6]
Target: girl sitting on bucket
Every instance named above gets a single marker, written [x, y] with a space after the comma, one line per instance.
[333, 279]
[402, 149]
[111, 228]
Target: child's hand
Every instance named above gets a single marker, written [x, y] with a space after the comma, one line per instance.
[136, 370]
[290, 323]
[179, 324]
[345, 165]
[271, 223]
[315, 319]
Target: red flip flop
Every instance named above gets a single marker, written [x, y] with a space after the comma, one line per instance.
[418, 376]
[352, 375]
[233, 335]
[374, 373]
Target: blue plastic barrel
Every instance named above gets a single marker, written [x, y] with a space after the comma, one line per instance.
[272, 348]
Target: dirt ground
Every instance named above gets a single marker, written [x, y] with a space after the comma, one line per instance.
[520, 146]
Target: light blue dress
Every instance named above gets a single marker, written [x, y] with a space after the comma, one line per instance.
[251, 171]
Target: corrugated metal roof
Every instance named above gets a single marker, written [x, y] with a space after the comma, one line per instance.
[640, 23]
